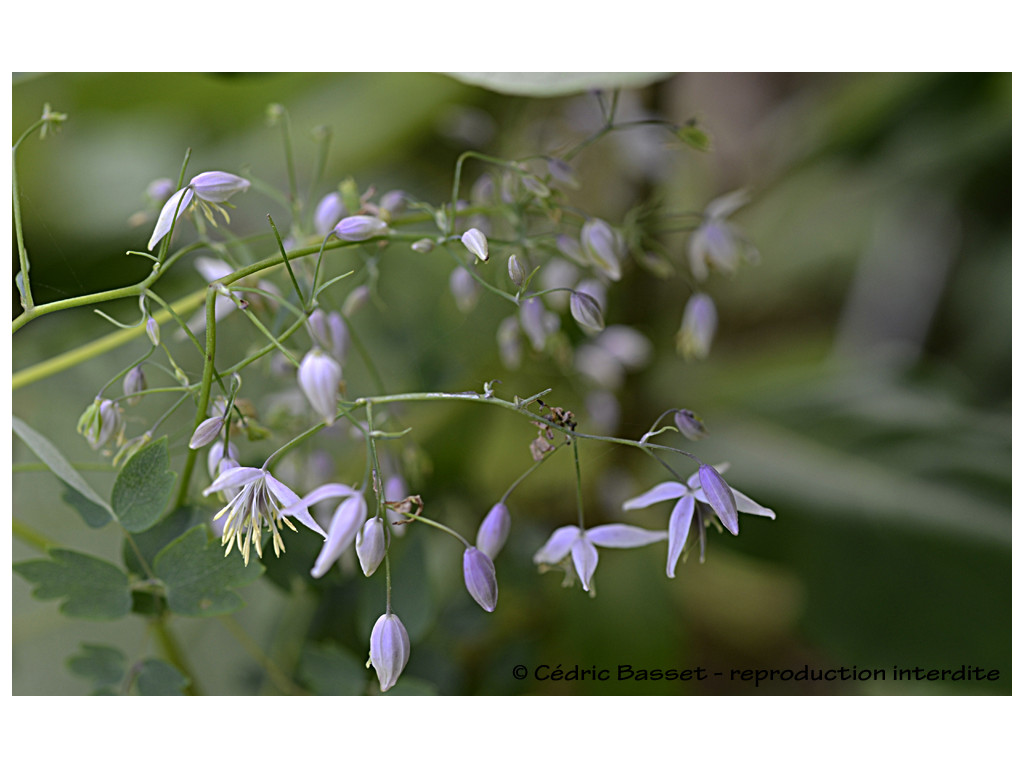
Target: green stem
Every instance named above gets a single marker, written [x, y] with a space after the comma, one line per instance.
[30, 536]
[274, 672]
[172, 650]
[204, 393]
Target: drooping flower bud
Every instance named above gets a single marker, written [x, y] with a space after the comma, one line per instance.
[319, 376]
[516, 273]
[602, 247]
[690, 425]
[206, 432]
[481, 581]
[720, 497]
[698, 328]
[493, 531]
[153, 331]
[389, 649]
[361, 227]
[586, 311]
[423, 245]
[134, 382]
[464, 289]
[217, 456]
[476, 243]
[371, 545]
[328, 213]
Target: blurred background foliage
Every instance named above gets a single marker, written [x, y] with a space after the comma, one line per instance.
[859, 383]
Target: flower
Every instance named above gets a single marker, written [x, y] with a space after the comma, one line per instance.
[716, 242]
[319, 377]
[134, 383]
[582, 545]
[217, 457]
[493, 531]
[370, 545]
[516, 272]
[603, 247]
[328, 212]
[206, 432]
[258, 501]
[210, 187]
[361, 227]
[330, 333]
[690, 425]
[464, 288]
[100, 422]
[586, 311]
[349, 517]
[693, 507]
[389, 649]
[476, 243]
[481, 582]
[698, 328]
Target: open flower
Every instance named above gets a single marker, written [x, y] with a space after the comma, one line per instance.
[716, 243]
[694, 508]
[581, 545]
[260, 499]
[211, 187]
[348, 519]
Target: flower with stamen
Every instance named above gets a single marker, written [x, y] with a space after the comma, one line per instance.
[210, 187]
[694, 507]
[581, 545]
[260, 500]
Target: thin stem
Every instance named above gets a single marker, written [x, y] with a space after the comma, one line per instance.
[204, 393]
[579, 484]
[287, 263]
[172, 650]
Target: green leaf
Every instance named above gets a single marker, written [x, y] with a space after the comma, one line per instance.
[158, 678]
[102, 664]
[93, 588]
[94, 515]
[143, 487]
[556, 83]
[199, 579]
[53, 458]
[149, 543]
[695, 137]
[330, 670]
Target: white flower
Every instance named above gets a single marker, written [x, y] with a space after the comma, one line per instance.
[211, 187]
[259, 500]
[581, 545]
[693, 508]
[348, 519]
[476, 243]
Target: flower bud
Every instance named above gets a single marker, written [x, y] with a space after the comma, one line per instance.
[516, 273]
[476, 243]
[206, 432]
[389, 649]
[562, 171]
[217, 186]
[586, 311]
[698, 328]
[481, 581]
[134, 382]
[602, 247]
[217, 456]
[464, 289]
[355, 301]
[536, 187]
[720, 497]
[328, 213]
[689, 425]
[319, 377]
[493, 531]
[370, 545]
[423, 245]
[339, 336]
[153, 331]
[361, 227]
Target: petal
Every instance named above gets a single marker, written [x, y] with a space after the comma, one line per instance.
[719, 496]
[727, 204]
[481, 582]
[619, 536]
[678, 528]
[290, 501]
[746, 504]
[660, 492]
[584, 557]
[557, 546]
[233, 477]
[327, 491]
[218, 186]
[167, 215]
[348, 518]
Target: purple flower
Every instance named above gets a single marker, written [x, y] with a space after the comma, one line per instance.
[493, 531]
[716, 242]
[328, 213]
[101, 421]
[361, 227]
[694, 504]
[603, 247]
[700, 320]
[371, 545]
[206, 432]
[345, 524]
[389, 649]
[581, 545]
[481, 582]
[260, 500]
[586, 311]
[690, 425]
[319, 377]
[211, 187]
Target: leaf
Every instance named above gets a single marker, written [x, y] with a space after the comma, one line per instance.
[94, 588]
[149, 543]
[556, 83]
[53, 458]
[158, 678]
[143, 487]
[94, 515]
[102, 664]
[199, 579]
[330, 670]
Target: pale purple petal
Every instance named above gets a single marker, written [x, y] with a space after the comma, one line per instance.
[345, 524]
[290, 501]
[746, 504]
[620, 536]
[218, 186]
[493, 531]
[389, 649]
[584, 558]
[371, 545]
[481, 582]
[319, 377]
[327, 491]
[660, 492]
[678, 528]
[167, 215]
[720, 497]
[233, 477]
[557, 546]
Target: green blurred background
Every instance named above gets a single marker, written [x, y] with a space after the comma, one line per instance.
[859, 383]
